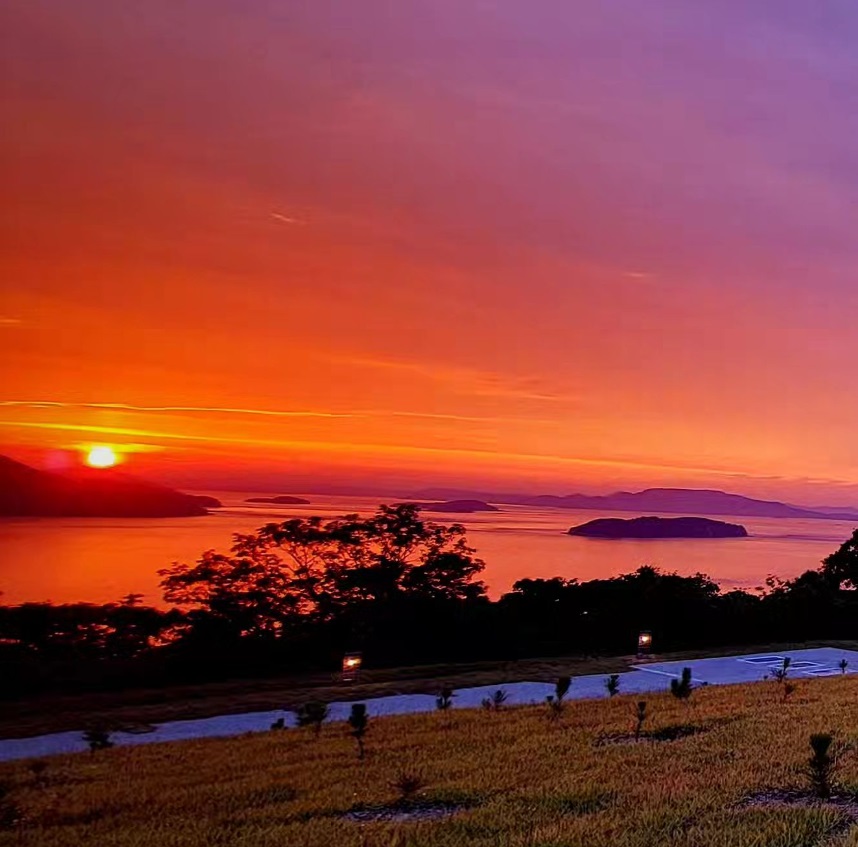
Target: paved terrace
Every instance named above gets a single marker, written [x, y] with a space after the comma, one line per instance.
[644, 679]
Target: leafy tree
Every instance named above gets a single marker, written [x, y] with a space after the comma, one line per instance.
[840, 568]
[308, 570]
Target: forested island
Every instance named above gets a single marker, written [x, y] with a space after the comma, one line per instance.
[654, 527]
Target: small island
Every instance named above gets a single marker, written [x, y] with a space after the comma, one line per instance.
[282, 500]
[461, 506]
[653, 527]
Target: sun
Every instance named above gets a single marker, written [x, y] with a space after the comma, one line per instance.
[101, 456]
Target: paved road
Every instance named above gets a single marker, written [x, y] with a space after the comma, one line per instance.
[644, 679]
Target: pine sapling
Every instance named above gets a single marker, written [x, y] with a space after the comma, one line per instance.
[408, 785]
[359, 722]
[444, 700]
[612, 684]
[555, 701]
[98, 738]
[780, 675]
[10, 814]
[313, 714]
[640, 718]
[681, 688]
[38, 768]
[822, 764]
[495, 702]
[843, 664]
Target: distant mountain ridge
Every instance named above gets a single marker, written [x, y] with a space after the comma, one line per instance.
[686, 501]
[89, 493]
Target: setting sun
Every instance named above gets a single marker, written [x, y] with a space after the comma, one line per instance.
[101, 457]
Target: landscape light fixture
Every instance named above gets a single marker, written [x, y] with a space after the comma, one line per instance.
[351, 666]
[644, 642]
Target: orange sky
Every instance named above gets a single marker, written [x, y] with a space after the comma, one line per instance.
[441, 242]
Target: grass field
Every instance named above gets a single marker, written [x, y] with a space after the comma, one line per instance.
[519, 777]
[56, 713]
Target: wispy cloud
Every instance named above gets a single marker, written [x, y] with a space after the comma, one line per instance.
[286, 219]
[8, 321]
[225, 410]
[468, 381]
[356, 448]
[274, 413]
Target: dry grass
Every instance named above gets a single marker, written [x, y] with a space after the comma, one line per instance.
[523, 780]
[55, 713]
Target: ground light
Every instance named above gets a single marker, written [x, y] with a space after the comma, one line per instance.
[351, 666]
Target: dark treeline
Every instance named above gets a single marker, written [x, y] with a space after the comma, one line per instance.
[296, 595]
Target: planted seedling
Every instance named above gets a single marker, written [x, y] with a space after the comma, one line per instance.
[822, 764]
[313, 714]
[98, 738]
[612, 684]
[555, 701]
[359, 723]
[407, 785]
[640, 718]
[681, 688]
[444, 700]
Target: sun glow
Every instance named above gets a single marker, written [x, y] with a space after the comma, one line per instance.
[101, 456]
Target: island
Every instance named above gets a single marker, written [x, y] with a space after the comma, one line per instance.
[461, 506]
[282, 500]
[653, 527]
[88, 493]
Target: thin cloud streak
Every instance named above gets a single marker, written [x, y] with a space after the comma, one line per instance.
[351, 448]
[276, 413]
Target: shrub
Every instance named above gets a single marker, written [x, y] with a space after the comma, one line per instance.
[822, 763]
[444, 700]
[843, 664]
[407, 785]
[359, 722]
[681, 688]
[280, 723]
[98, 738]
[561, 687]
[313, 714]
[640, 718]
[612, 684]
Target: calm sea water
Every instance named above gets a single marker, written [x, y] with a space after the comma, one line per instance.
[98, 560]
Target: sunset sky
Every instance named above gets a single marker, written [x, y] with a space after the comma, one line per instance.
[539, 246]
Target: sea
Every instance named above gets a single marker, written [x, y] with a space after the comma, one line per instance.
[101, 559]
